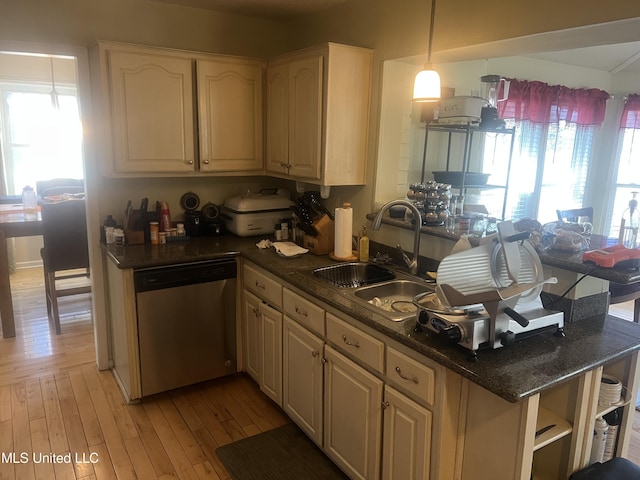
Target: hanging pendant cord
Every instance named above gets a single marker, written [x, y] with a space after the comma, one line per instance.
[431, 26]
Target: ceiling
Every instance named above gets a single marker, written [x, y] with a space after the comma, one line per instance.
[269, 9]
[614, 58]
[618, 58]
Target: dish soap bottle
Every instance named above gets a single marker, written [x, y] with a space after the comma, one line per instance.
[363, 247]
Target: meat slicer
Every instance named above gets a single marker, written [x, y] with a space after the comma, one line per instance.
[489, 296]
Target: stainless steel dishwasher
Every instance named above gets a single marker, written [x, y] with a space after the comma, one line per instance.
[186, 323]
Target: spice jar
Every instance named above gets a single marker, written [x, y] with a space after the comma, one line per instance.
[153, 232]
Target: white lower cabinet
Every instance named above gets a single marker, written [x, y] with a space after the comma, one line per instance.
[271, 378]
[263, 332]
[406, 446]
[302, 378]
[353, 416]
[329, 374]
[253, 340]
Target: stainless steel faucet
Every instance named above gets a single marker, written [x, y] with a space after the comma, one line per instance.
[412, 264]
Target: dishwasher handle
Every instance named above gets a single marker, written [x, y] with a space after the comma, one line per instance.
[180, 275]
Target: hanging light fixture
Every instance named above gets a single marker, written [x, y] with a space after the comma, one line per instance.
[55, 103]
[426, 87]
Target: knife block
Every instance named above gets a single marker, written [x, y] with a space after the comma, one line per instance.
[323, 243]
[134, 227]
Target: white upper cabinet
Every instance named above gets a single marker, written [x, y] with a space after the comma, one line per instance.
[147, 109]
[318, 115]
[230, 115]
[152, 112]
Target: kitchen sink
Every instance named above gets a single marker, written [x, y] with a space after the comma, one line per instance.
[393, 299]
[354, 274]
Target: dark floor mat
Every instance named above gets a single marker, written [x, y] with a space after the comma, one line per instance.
[284, 453]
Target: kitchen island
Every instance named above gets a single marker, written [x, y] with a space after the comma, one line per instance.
[509, 393]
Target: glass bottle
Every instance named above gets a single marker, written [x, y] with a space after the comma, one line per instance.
[629, 224]
[29, 201]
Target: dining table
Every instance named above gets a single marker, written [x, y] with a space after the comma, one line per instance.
[14, 222]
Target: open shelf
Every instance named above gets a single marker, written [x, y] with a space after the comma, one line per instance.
[625, 399]
[561, 428]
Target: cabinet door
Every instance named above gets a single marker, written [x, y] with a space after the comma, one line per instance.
[230, 115]
[253, 339]
[302, 378]
[305, 117]
[352, 416]
[406, 446]
[278, 119]
[152, 109]
[271, 375]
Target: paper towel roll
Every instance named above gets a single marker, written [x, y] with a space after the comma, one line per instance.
[343, 231]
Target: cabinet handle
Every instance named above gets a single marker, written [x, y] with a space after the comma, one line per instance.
[285, 165]
[190, 162]
[260, 285]
[256, 312]
[315, 353]
[324, 360]
[385, 405]
[404, 377]
[354, 344]
[299, 311]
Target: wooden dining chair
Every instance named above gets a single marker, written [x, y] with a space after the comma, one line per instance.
[576, 215]
[618, 292]
[59, 186]
[65, 254]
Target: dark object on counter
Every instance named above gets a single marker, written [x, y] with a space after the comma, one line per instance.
[135, 223]
[190, 201]
[210, 212]
[617, 468]
[211, 221]
[192, 222]
[398, 211]
[458, 178]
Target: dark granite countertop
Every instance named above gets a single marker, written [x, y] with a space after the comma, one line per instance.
[528, 367]
[571, 261]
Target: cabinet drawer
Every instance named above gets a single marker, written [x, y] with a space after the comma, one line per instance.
[264, 287]
[411, 376]
[359, 345]
[303, 311]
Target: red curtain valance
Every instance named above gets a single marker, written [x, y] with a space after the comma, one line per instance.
[631, 113]
[542, 103]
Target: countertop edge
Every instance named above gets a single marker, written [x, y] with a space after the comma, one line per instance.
[540, 359]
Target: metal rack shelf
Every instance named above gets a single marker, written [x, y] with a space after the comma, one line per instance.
[469, 131]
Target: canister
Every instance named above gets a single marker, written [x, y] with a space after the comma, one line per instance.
[153, 232]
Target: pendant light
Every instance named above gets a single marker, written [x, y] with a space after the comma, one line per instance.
[426, 87]
[55, 103]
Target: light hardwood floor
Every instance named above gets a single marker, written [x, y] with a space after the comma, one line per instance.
[53, 399]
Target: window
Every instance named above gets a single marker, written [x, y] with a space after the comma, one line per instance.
[627, 178]
[39, 141]
[554, 134]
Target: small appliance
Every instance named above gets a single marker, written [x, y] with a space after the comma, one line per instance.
[489, 296]
[490, 91]
[256, 213]
[460, 110]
